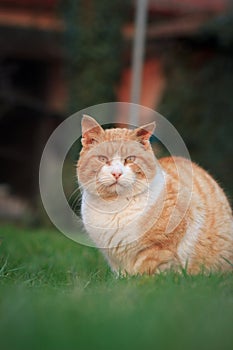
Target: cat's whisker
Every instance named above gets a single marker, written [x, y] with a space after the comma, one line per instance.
[74, 192]
[76, 206]
[87, 185]
[76, 202]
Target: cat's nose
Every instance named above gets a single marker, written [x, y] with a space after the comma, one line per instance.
[116, 174]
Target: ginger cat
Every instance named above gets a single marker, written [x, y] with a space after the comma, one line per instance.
[129, 198]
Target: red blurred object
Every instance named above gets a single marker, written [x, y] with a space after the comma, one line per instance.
[189, 5]
[43, 4]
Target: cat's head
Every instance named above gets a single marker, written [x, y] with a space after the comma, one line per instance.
[116, 161]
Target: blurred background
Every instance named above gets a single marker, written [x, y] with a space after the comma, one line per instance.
[58, 57]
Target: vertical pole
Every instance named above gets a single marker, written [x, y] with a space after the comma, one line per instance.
[138, 58]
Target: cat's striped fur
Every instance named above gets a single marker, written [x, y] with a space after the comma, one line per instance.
[148, 215]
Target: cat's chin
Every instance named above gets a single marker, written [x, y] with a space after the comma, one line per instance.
[120, 192]
[114, 190]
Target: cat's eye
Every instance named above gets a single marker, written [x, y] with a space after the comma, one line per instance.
[130, 159]
[103, 159]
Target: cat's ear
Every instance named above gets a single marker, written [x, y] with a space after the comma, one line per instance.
[92, 133]
[144, 133]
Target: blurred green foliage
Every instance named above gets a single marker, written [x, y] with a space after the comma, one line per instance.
[198, 97]
[93, 43]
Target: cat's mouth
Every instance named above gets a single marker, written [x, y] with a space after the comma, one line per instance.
[111, 190]
[116, 183]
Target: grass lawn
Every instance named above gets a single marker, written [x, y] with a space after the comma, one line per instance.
[56, 294]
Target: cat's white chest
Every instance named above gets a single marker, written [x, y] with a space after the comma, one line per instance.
[118, 222]
[112, 223]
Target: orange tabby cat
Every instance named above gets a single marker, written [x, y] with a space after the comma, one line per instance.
[129, 199]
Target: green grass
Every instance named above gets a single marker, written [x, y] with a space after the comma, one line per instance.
[56, 294]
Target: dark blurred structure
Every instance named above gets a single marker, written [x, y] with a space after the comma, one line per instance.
[58, 57]
[32, 94]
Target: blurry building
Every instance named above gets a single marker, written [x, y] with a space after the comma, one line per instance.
[32, 92]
